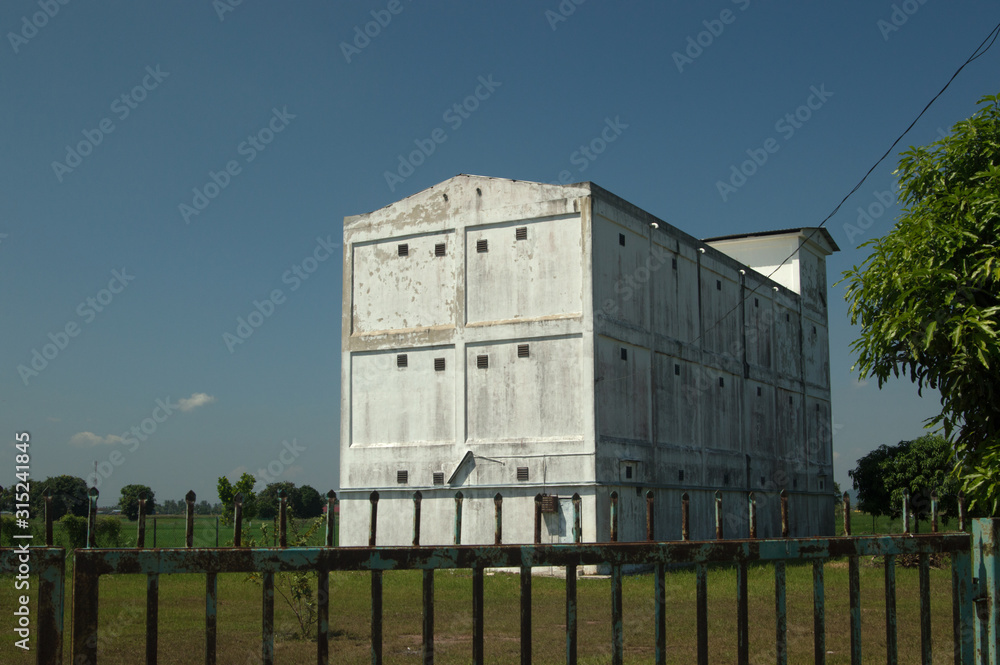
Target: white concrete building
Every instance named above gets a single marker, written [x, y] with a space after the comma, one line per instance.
[524, 338]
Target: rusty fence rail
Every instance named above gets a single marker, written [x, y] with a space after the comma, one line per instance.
[974, 580]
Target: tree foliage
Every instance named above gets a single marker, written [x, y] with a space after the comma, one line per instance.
[228, 492]
[928, 296]
[303, 501]
[69, 497]
[129, 501]
[919, 467]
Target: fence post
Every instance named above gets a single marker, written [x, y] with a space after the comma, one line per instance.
[331, 509]
[538, 519]
[48, 518]
[458, 518]
[238, 520]
[650, 517]
[282, 518]
[140, 538]
[986, 566]
[498, 508]
[718, 515]
[417, 499]
[189, 520]
[92, 518]
[373, 523]
[614, 517]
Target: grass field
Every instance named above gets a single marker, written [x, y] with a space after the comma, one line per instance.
[122, 608]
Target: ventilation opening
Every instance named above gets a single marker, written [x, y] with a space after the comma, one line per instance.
[628, 472]
[522, 351]
[401, 360]
[789, 399]
[718, 285]
[795, 483]
[482, 362]
[522, 474]
[725, 479]
[621, 239]
[677, 370]
[439, 364]
[756, 302]
[402, 476]
[439, 249]
[758, 391]
[821, 485]
[722, 382]
[680, 475]
[762, 481]
[521, 233]
[482, 246]
[673, 263]
[439, 477]
[788, 317]
[624, 353]
[403, 249]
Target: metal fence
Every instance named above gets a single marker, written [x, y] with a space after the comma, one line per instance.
[974, 568]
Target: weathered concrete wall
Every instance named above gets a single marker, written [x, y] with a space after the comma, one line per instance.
[487, 305]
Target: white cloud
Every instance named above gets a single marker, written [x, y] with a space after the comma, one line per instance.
[194, 401]
[91, 439]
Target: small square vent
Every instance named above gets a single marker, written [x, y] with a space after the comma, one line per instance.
[521, 233]
[522, 474]
[439, 477]
[621, 239]
[439, 249]
[522, 351]
[483, 362]
[482, 246]
[439, 364]
[403, 249]
[401, 360]
[402, 476]
[624, 353]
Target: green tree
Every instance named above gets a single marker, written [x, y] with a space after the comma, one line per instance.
[69, 496]
[267, 499]
[928, 296]
[309, 503]
[920, 467]
[129, 501]
[228, 492]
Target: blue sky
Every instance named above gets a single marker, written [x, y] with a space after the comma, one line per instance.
[176, 162]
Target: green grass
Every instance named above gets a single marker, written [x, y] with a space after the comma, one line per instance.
[122, 608]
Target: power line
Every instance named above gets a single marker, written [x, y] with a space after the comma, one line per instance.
[978, 53]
